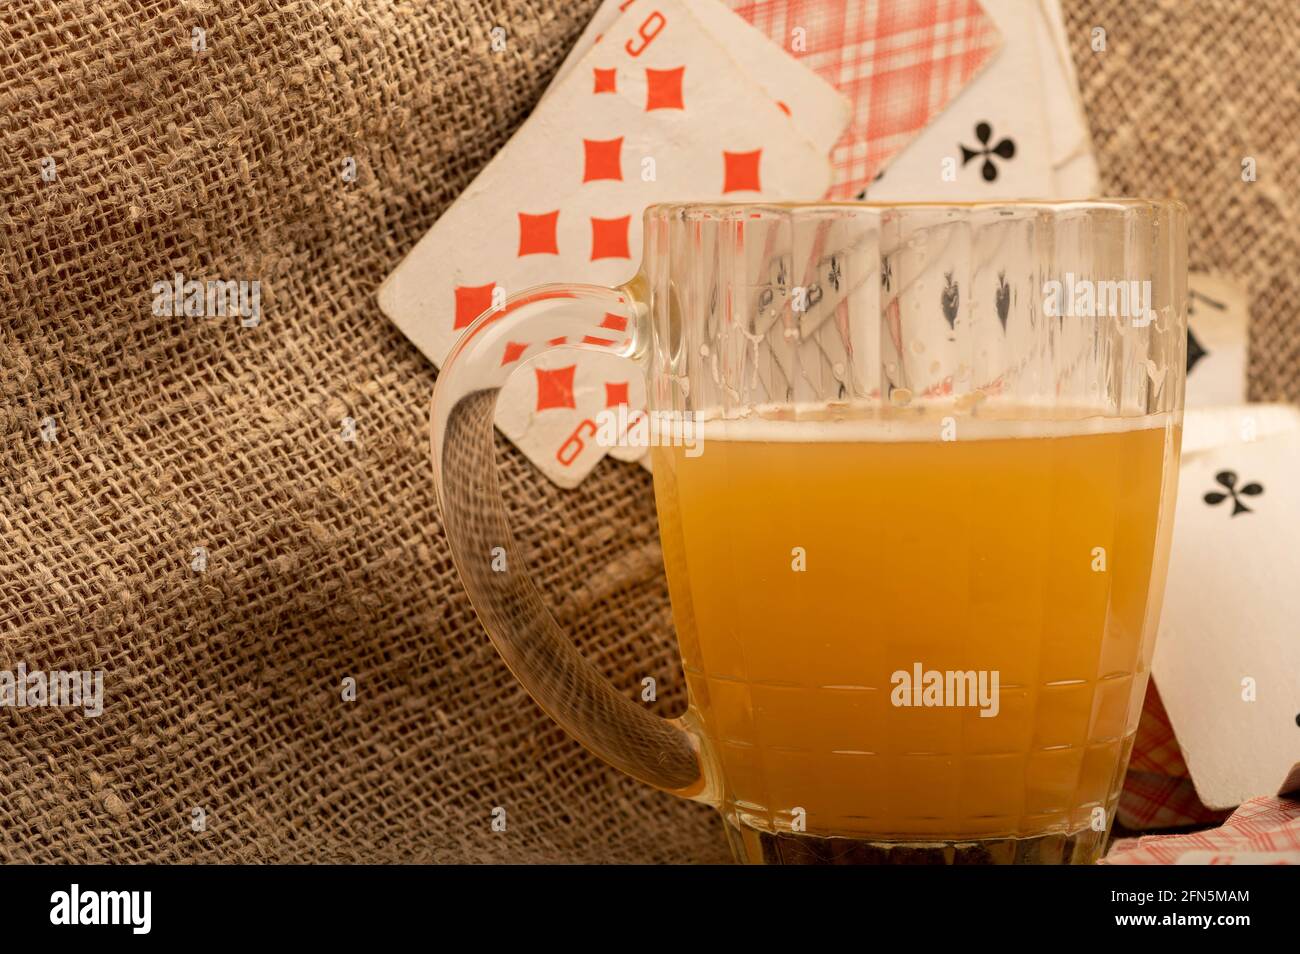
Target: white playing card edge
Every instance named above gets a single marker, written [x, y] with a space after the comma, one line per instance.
[608, 15]
[1204, 650]
[843, 107]
[1207, 429]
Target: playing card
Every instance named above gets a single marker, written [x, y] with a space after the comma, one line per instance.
[1074, 167]
[901, 64]
[815, 109]
[584, 383]
[1227, 660]
[1262, 831]
[1218, 341]
[656, 111]
[992, 142]
[1077, 177]
[600, 21]
[1211, 428]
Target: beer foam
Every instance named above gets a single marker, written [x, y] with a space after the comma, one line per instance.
[903, 425]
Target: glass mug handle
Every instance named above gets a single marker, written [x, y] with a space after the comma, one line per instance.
[661, 752]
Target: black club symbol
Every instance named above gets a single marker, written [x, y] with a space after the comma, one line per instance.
[1228, 479]
[1005, 149]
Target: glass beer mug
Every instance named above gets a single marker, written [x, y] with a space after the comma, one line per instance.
[914, 468]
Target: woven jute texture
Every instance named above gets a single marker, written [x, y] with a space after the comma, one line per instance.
[128, 440]
[1182, 94]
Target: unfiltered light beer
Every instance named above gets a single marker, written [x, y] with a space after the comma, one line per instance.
[815, 567]
[917, 549]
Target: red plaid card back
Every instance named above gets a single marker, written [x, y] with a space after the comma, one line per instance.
[900, 62]
[1267, 826]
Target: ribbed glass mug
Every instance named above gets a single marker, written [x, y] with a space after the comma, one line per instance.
[915, 509]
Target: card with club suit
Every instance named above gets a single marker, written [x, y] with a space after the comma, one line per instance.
[1227, 660]
[992, 142]
[902, 65]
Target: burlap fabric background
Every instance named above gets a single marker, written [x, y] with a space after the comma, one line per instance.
[223, 688]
